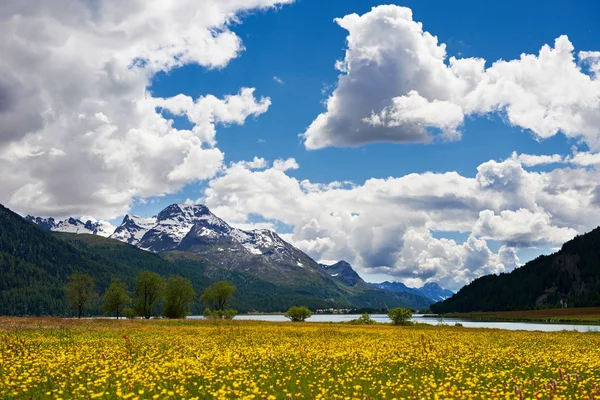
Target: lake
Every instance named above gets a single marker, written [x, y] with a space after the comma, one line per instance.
[514, 326]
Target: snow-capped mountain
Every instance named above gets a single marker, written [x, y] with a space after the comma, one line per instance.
[195, 229]
[133, 228]
[430, 290]
[74, 225]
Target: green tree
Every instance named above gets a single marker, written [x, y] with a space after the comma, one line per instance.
[80, 292]
[298, 314]
[218, 295]
[149, 289]
[179, 295]
[116, 298]
[129, 313]
[399, 316]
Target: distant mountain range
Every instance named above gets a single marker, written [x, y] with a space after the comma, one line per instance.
[431, 290]
[271, 274]
[73, 225]
[569, 277]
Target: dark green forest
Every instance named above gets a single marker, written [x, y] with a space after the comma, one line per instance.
[571, 275]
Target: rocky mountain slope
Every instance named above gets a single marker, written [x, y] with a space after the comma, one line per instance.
[571, 276]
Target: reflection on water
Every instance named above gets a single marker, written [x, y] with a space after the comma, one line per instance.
[513, 326]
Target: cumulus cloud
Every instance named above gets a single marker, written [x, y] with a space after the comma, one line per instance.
[79, 131]
[521, 228]
[278, 80]
[397, 85]
[387, 225]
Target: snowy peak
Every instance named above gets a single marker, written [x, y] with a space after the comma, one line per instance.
[44, 223]
[133, 228]
[176, 221]
[74, 225]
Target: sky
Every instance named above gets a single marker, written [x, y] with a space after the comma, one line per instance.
[418, 140]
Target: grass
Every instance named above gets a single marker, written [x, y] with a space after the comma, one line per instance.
[54, 358]
[589, 315]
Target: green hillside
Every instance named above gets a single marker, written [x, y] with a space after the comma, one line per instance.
[571, 275]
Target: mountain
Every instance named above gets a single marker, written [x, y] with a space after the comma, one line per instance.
[194, 229]
[395, 287]
[435, 292]
[132, 229]
[431, 290]
[571, 275]
[270, 274]
[343, 272]
[73, 225]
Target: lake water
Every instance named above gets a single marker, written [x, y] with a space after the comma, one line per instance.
[513, 326]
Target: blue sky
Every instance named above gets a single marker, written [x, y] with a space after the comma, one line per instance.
[409, 165]
[300, 43]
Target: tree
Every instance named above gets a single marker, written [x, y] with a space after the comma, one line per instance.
[116, 298]
[218, 294]
[399, 316]
[179, 294]
[149, 289]
[80, 291]
[298, 314]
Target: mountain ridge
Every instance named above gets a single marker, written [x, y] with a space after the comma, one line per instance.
[570, 276]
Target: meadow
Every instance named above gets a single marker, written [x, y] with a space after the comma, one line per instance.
[135, 359]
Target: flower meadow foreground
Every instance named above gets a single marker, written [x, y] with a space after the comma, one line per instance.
[54, 358]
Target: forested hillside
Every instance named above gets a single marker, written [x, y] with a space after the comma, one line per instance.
[35, 264]
[571, 275]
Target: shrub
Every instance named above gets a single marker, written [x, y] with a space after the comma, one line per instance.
[364, 319]
[129, 313]
[298, 314]
[400, 316]
[220, 314]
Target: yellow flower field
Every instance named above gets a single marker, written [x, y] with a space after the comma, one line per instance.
[53, 358]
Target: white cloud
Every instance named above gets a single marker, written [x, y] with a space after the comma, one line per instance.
[386, 225]
[79, 131]
[521, 228]
[284, 165]
[396, 85]
[585, 159]
[531, 160]
[278, 80]
[256, 163]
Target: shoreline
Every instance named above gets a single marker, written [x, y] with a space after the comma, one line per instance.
[578, 316]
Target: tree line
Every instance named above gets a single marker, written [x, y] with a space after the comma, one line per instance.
[153, 295]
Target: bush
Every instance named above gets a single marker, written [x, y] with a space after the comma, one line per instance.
[400, 316]
[129, 313]
[298, 314]
[220, 314]
[364, 319]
